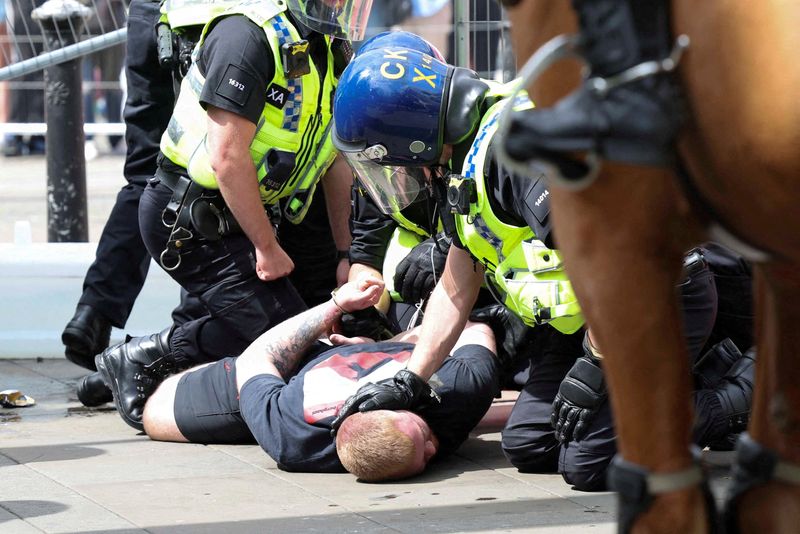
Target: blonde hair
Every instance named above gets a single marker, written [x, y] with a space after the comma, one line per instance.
[371, 447]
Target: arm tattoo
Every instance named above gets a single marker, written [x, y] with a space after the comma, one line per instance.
[287, 342]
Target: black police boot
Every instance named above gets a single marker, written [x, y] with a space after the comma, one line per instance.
[92, 391]
[735, 392]
[133, 370]
[712, 366]
[512, 336]
[85, 335]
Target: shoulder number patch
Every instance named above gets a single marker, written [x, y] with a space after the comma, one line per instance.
[236, 85]
[277, 96]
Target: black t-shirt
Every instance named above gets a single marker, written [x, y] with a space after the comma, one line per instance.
[517, 200]
[237, 63]
[291, 421]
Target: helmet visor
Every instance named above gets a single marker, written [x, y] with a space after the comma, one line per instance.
[341, 19]
[392, 188]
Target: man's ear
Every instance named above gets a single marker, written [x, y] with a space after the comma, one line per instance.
[467, 92]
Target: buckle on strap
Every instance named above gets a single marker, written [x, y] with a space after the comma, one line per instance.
[602, 86]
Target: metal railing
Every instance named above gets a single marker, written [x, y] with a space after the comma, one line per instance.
[55, 35]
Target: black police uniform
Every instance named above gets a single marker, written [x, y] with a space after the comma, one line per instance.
[115, 278]
[222, 273]
[528, 440]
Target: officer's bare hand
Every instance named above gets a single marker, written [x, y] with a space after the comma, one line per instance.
[359, 294]
[339, 339]
[273, 263]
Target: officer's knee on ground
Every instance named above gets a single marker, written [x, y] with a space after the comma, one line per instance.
[531, 449]
[585, 478]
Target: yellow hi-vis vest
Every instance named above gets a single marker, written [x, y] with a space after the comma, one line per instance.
[301, 127]
[183, 13]
[522, 273]
[406, 236]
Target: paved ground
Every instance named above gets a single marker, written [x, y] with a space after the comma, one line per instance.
[65, 468]
[23, 189]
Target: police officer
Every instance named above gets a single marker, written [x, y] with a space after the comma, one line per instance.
[250, 128]
[502, 234]
[399, 246]
[117, 275]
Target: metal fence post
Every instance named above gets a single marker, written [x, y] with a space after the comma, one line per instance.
[461, 31]
[67, 219]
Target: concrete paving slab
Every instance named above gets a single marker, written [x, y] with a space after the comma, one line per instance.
[50, 506]
[66, 468]
[11, 523]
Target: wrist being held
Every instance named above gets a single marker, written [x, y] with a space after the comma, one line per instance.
[333, 298]
[357, 294]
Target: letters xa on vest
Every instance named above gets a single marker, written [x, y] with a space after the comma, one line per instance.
[292, 147]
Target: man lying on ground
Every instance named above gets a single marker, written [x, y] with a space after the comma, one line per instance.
[259, 396]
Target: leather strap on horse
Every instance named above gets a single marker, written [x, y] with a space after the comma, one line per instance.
[629, 109]
[637, 488]
[754, 466]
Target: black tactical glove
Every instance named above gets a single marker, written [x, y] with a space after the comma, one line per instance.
[514, 339]
[579, 396]
[369, 322]
[404, 391]
[418, 272]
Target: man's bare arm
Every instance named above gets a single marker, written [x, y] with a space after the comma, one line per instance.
[447, 312]
[278, 350]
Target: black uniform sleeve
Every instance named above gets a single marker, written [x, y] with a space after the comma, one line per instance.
[467, 382]
[520, 200]
[236, 61]
[371, 230]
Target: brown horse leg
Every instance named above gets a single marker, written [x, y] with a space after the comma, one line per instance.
[622, 240]
[775, 507]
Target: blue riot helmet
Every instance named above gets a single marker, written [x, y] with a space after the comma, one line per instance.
[342, 19]
[395, 108]
[400, 39]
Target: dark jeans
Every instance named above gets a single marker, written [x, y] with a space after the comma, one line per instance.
[529, 440]
[734, 280]
[222, 275]
[117, 275]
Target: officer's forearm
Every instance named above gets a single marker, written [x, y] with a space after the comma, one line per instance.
[337, 183]
[447, 312]
[278, 350]
[229, 138]
[240, 190]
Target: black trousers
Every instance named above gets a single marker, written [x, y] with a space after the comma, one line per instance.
[222, 275]
[117, 275]
[528, 439]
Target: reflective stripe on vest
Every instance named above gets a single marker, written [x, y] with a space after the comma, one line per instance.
[524, 275]
[300, 127]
